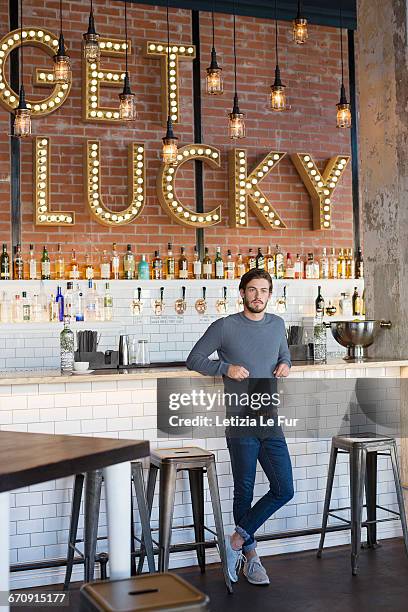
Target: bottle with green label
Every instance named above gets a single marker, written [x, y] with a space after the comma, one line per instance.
[67, 348]
[107, 304]
[45, 265]
[219, 264]
[5, 271]
[129, 264]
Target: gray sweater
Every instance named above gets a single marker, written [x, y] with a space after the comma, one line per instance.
[258, 346]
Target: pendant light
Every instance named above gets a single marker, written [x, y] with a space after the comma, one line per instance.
[22, 115]
[169, 152]
[300, 34]
[62, 63]
[343, 107]
[214, 77]
[236, 118]
[91, 48]
[127, 105]
[278, 98]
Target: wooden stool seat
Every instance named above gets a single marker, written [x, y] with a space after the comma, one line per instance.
[184, 456]
[163, 592]
[370, 441]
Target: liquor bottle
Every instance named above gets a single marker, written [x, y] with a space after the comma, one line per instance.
[332, 263]
[219, 264]
[341, 265]
[350, 266]
[251, 260]
[229, 267]
[240, 266]
[319, 303]
[129, 264]
[260, 260]
[363, 306]
[5, 272]
[359, 264]
[356, 301]
[299, 267]
[309, 268]
[290, 267]
[32, 265]
[74, 267]
[171, 264]
[157, 266]
[197, 266]
[99, 304]
[182, 265]
[59, 265]
[105, 266]
[53, 309]
[59, 299]
[89, 269]
[108, 304]
[143, 271]
[90, 302]
[115, 262]
[26, 308]
[17, 309]
[270, 262]
[18, 272]
[69, 302]
[207, 265]
[67, 348]
[324, 264]
[279, 263]
[45, 265]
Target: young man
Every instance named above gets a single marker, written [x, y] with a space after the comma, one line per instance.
[250, 345]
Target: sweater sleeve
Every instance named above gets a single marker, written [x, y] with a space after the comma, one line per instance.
[209, 342]
[284, 354]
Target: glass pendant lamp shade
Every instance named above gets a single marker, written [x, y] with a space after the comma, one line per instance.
[236, 121]
[127, 99]
[215, 86]
[62, 63]
[278, 97]
[127, 104]
[300, 34]
[91, 49]
[22, 114]
[170, 150]
[22, 117]
[343, 110]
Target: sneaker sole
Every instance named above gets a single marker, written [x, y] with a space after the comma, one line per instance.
[264, 584]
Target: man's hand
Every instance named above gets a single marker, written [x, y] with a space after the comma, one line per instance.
[237, 372]
[281, 370]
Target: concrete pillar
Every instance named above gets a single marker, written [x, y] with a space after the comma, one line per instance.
[383, 113]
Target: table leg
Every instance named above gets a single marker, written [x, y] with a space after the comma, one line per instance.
[117, 487]
[4, 545]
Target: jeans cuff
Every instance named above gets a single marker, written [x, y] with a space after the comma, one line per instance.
[248, 547]
[242, 532]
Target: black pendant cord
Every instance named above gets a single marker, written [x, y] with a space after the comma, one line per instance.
[213, 26]
[60, 7]
[168, 59]
[299, 9]
[276, 32]
[235, 54]
[21, 51]
[341, 44]
[126, 40]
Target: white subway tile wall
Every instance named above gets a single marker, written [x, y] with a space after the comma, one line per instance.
[126, 409]
[170, 336]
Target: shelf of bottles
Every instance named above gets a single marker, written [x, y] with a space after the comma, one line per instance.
[47, 291]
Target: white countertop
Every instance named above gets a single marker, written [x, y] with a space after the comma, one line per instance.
[51, 376]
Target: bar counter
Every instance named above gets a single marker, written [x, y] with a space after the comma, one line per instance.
[124, 405]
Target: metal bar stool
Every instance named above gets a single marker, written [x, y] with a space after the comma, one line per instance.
[93, 487]
[363, 450]
[196, 461]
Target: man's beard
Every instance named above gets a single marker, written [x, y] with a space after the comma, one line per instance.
[256, 308]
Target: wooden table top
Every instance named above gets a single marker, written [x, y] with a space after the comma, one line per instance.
[30, 458]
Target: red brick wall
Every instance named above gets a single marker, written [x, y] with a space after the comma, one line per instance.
[311, 73]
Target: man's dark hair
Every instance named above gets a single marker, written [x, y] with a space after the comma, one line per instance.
[255, 273]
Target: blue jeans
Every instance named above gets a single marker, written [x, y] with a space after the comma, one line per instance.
[273, 455]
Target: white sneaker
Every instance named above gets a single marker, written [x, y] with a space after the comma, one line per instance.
[234, 560]
[255, 572]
